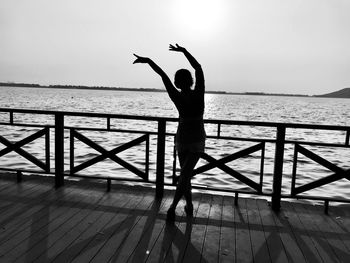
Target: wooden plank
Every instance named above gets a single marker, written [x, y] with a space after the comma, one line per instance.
[23, 193]
[20, 201]
[26, 235]
[320, 244]
[244, 251]
[6, 187]
[330, 232]
[257, 235]
[39, 228]
[49, 237]
[139, 230]
[274, 240]
[197, 231]
[16, 225]
[343, 234]
[303, 238]
[182, 232]
[64, 224]
[96, 231]
[227, 232]
[341, 215]
[107, 204]
[148, 239]
[4, 183]
[276, 224]
[34, 209]
[320, 241]
[119, 238]
[113, 234]
[10, 194]
[211, 244]
[17, 190]
[166, 238]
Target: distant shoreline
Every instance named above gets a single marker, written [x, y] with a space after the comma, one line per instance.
[26, 85]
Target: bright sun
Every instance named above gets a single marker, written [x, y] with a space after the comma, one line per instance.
[199, 18]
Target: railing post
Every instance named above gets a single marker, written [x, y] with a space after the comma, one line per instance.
[262, 162]
[160, 158]
[19, 176]
[108, 123]
[147, 157]
[294, 171]
[59, 149]
[278, 168]
[47, 149]
[11, 117]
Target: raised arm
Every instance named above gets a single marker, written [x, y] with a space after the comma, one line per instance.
[172, 91]
[194, 63]
[199, 86]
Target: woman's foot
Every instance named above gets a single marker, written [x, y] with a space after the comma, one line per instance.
[170, 217]
[189, 210]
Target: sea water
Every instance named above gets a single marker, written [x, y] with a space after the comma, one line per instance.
[307, 110]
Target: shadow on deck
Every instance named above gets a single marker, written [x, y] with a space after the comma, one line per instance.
[81, 222]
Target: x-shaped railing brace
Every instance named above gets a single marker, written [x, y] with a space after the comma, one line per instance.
[212, 163]
[109, 154]
[339, 173]
[16, 147]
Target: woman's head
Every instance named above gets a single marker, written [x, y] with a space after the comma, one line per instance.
[183, 79]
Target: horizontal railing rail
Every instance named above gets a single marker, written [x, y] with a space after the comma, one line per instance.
[278, 137]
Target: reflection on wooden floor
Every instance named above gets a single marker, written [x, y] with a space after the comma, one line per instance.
[84, 223]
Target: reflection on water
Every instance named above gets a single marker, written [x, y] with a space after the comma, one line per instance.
[231, 107]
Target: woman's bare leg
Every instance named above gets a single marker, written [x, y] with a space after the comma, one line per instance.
[189, 161]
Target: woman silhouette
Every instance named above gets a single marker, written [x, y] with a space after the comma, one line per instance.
[190, 135]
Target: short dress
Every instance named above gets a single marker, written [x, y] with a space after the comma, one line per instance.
[190, 135]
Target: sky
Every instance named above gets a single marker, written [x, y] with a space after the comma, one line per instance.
[272, 46]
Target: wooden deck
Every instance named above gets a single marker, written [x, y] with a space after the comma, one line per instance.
[83, 223]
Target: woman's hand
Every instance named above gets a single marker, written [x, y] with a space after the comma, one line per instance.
[176, 48]
[140, 59]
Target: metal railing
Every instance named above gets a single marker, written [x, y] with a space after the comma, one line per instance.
[279, 140]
